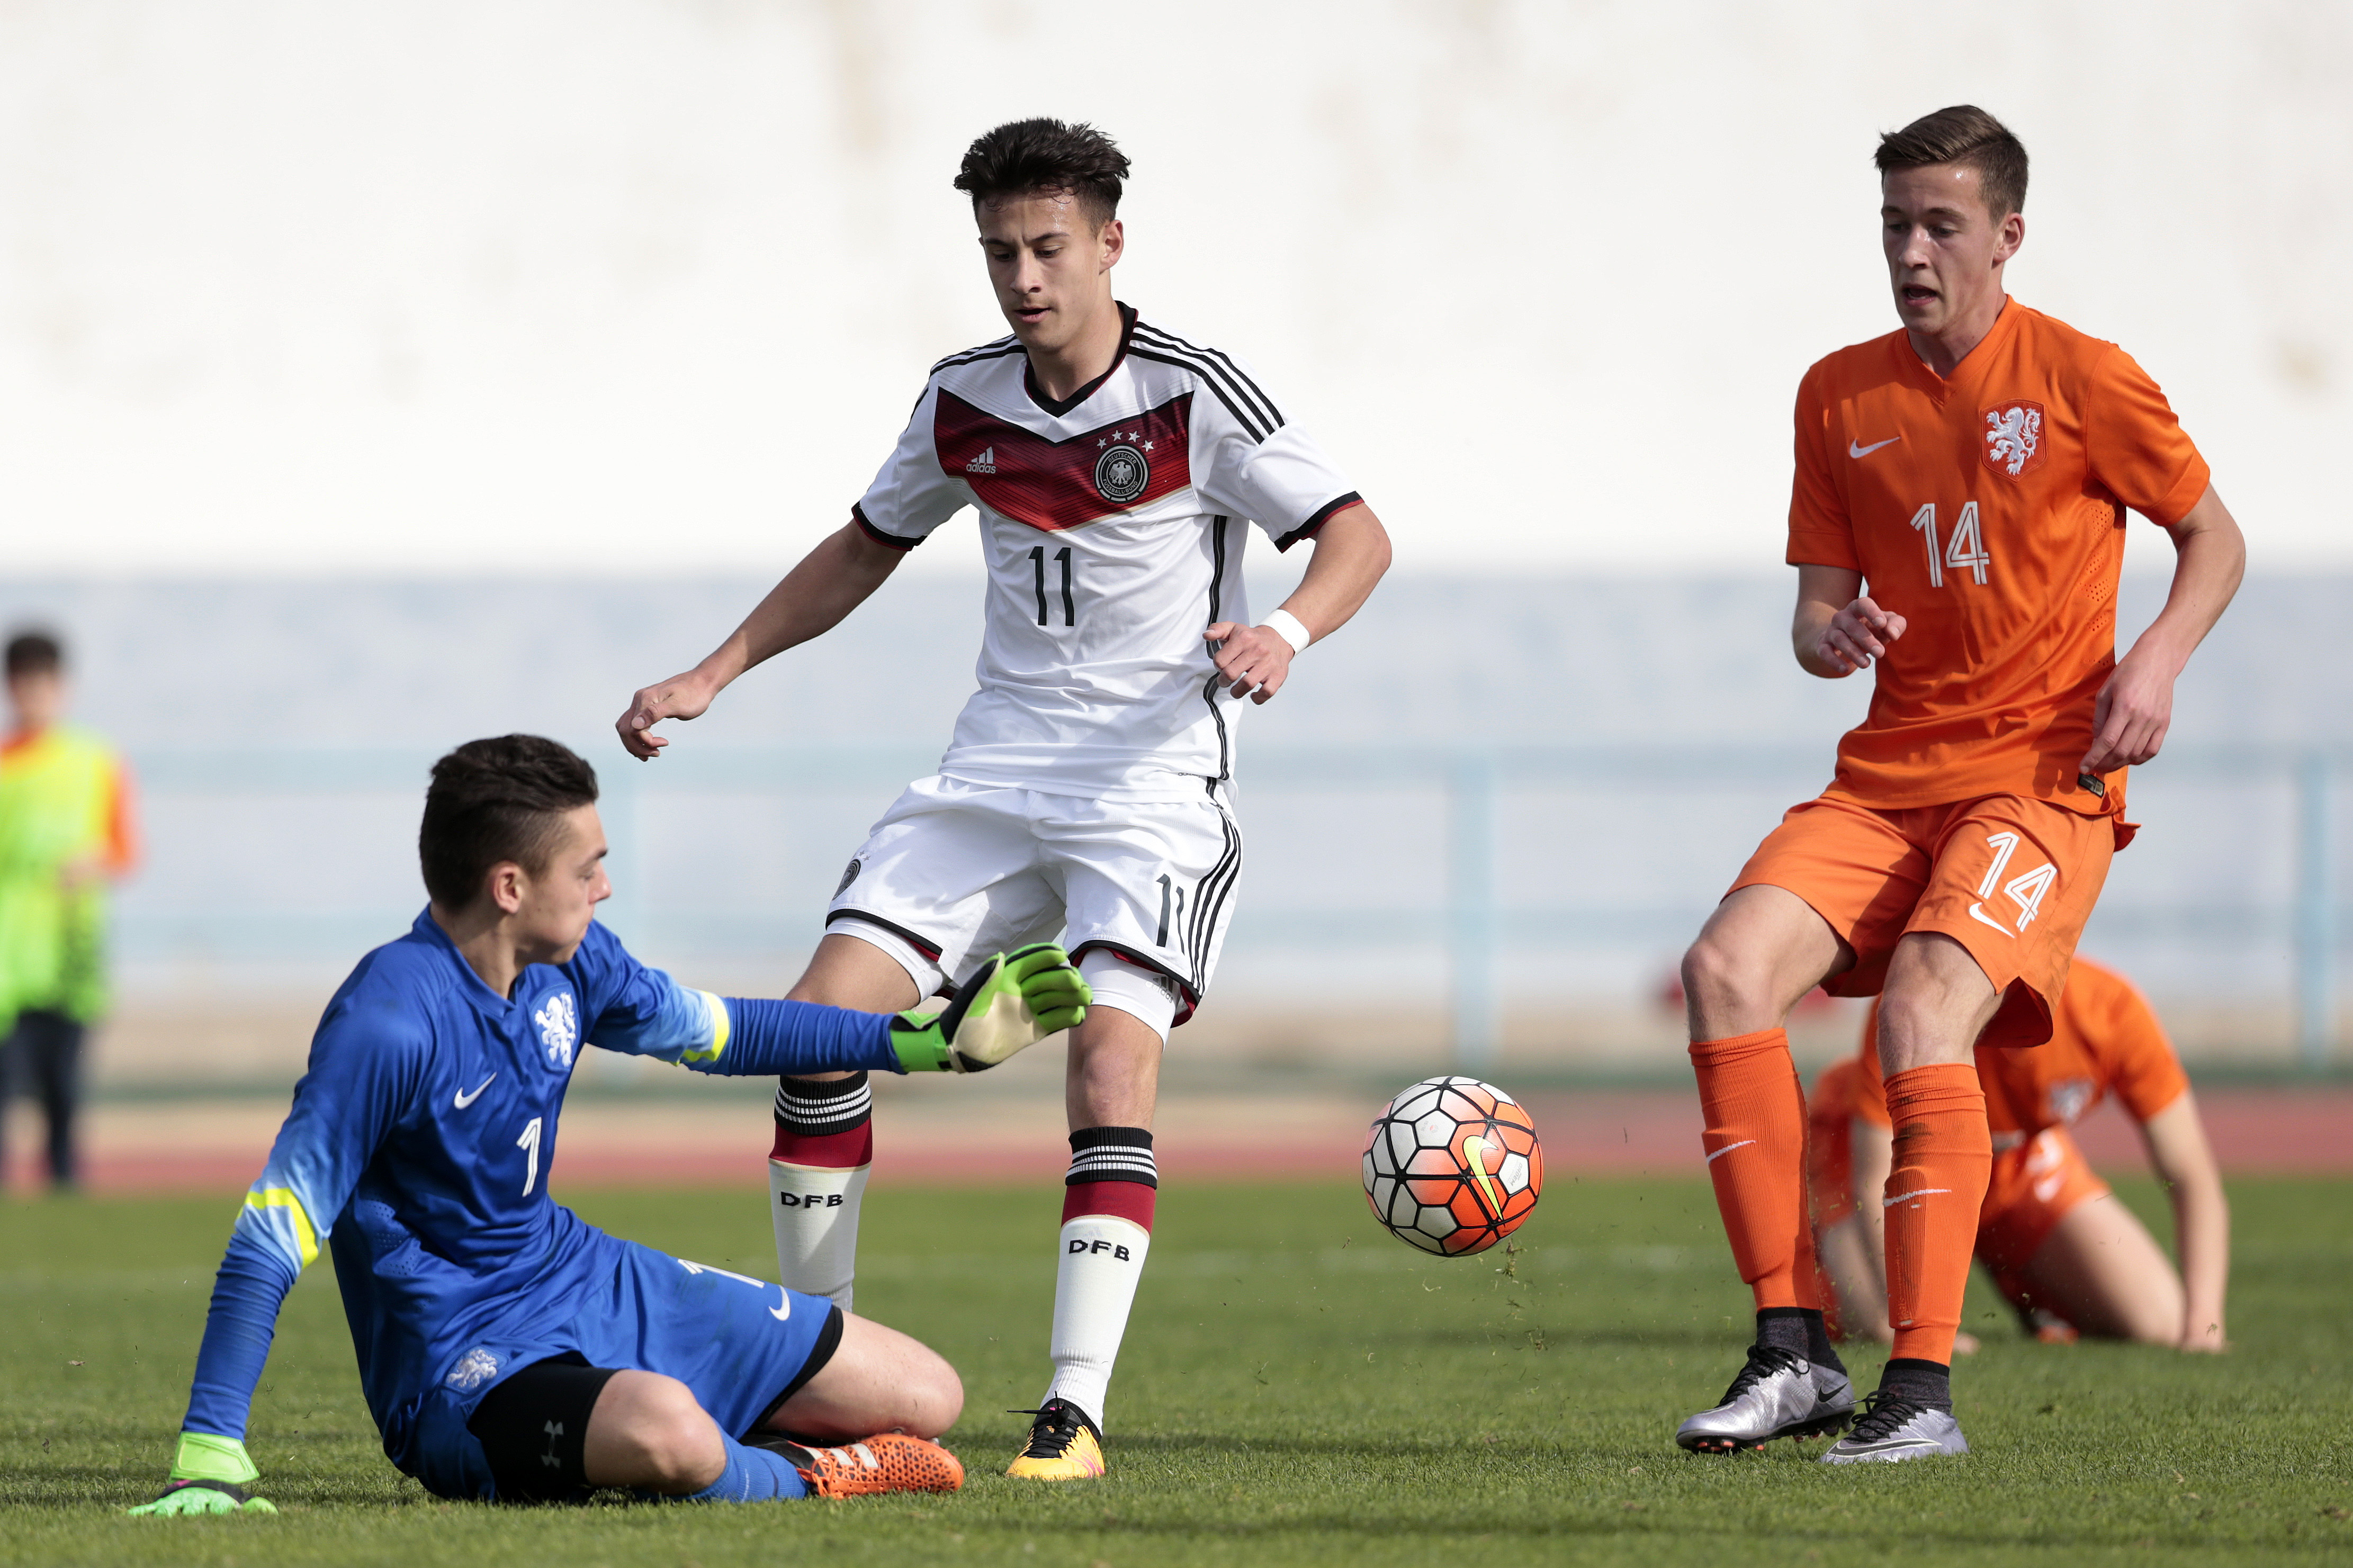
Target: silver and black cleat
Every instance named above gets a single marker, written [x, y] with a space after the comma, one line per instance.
[1893, 1429]
[1778, 1394]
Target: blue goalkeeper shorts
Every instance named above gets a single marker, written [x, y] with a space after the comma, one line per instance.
[741, 1345]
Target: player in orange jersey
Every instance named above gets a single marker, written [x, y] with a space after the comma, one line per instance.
[1957, 521]
[2064, 1252]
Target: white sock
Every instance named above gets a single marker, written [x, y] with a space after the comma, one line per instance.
[1094, 1286]
[815, 1212]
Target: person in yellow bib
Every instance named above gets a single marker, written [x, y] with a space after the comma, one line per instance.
[67, 831]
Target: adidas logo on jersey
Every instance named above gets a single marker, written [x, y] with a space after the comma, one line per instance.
[984, 464]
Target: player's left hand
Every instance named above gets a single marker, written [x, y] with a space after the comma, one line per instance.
[1007, 1004]
[1252, 659]
[203, 1496]
[2130, 719]
[209, 1473]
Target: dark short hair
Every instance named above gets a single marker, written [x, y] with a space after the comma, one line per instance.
[1967, 136]
[35, 653]
[502, 799]
[1024, 157]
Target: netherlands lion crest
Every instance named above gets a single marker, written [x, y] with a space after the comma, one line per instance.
[1120, 474]
[2013, 437]
[475, 1368]
[2069, 1098]
[559, 1029]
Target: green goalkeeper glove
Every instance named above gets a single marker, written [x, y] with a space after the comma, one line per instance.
[1011, 1003]
[208, 1476]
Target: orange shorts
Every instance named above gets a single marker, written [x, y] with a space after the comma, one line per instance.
[2010, 878]
[1829, 1144]
[2035, 1185]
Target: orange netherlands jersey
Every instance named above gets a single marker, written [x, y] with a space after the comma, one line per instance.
[1989, 511]
[2103, 1039]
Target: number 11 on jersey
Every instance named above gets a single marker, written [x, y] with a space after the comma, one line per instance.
[1038, 559]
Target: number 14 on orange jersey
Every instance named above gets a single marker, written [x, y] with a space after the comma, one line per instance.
[1964, 553]
[2025, 891]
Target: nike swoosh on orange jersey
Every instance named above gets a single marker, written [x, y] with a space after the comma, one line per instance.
[1852, 450]
[1977, 912]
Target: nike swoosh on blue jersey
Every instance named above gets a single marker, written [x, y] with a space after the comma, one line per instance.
[781, 1313]
[462, 1099]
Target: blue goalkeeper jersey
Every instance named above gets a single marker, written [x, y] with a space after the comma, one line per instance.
[418, 1149]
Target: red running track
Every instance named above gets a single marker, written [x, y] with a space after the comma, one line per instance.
[2255, 1131]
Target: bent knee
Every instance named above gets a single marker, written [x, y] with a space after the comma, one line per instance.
[936, 1394]
[662, 1438]
[2152, 1317]
[1918, 1030]
[1720, 978]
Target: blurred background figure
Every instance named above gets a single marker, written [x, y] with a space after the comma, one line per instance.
[66, 831]
[2062, 1247]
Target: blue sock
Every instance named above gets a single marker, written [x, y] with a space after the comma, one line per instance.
[753, 1475]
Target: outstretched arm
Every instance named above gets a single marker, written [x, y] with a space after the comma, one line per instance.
[1009, 1003]
[1352, 552]
[1860, 1280]
[1874, 1157]
[2135, 706]
[361, 1075]
[2201, 1218]
[831, 580]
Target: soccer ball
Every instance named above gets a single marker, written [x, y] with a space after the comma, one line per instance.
[1452, 1166]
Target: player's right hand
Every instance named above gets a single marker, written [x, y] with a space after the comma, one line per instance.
[209, 1473]
[680, 697]
[1857, 635]
[1009, 1003]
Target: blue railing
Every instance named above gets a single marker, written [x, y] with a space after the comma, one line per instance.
[1479, 856]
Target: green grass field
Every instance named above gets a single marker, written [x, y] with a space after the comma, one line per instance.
[1297, 1388]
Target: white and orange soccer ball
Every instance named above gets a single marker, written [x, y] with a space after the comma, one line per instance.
[1452, 1166]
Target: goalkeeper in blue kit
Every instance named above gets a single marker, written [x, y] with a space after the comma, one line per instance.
[509, 1350]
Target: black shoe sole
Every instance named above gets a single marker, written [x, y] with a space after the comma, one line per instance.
[1825, 1426]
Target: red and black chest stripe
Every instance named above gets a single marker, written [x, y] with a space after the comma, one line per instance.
[1055, 485]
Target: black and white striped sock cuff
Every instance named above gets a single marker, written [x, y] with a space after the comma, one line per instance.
[814, 1110]
[1112, 1154]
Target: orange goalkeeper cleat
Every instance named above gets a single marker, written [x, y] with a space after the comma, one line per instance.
[887, 1462]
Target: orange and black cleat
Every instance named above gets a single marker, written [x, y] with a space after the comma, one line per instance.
[1064, 1445]
[887, 1462]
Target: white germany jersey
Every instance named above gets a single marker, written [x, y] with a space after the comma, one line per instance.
[1113, 525]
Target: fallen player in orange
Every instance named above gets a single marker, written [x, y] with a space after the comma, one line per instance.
[2064, 1251]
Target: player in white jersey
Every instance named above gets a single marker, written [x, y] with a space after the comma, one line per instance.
[1084, 797]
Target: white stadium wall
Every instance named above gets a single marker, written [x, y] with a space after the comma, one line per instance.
[620, 286]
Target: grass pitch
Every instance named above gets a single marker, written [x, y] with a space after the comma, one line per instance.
[1297, 1388]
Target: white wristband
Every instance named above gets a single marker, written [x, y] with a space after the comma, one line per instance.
[1285, 625]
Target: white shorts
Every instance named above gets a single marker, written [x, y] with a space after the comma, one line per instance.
[960, 870]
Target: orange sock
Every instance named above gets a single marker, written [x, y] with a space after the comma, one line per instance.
[1944, 1155]
[1756, 1143]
